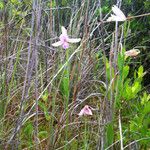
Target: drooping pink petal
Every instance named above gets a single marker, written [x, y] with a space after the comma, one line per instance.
[74, 40]
[85, 111]
[65, 45]
[59, 43]
[132, 52]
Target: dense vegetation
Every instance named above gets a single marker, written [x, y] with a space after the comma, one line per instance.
[91, 94]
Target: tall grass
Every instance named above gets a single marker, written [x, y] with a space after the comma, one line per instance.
[43, 88]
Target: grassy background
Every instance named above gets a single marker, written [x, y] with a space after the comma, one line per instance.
[42, 88]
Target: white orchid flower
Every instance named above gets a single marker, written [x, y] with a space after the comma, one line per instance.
[65, 40]
[118, 15]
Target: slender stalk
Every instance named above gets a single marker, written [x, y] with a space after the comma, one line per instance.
[138, 16]
[120, 131]
[85, 134]
[67, 97]
[37, 6]
[101, 141]
[116, 47]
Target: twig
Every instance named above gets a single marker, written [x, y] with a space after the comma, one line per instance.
[132, 17]
[148, 138]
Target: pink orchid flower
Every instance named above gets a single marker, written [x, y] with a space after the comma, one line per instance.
[118, 15]
[65, 40]
[132, 53]
[86, 110]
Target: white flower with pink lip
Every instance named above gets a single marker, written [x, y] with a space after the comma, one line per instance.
[86, 110]
[118, 15]
[65, 40]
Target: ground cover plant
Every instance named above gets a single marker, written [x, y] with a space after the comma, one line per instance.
[74, 75]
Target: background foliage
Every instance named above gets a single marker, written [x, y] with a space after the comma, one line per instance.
[42, 88]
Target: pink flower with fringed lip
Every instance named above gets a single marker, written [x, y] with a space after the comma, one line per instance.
[86, 110]
[118, 15]
[132, 53]
[65, 40]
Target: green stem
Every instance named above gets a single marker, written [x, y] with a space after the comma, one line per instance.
[67, 97]
[85, 135]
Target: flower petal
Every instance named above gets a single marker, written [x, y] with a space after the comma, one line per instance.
[132, 52]
[81, 113]
[59, 43]
[86, 110]
[63, 38]
[64, 31]
[118, 13]
[114, 18]
[65, 45]
[74, 40]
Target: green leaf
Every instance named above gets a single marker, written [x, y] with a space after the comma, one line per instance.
[146, 108]
[53, 3]
[136, 88]
[46, 114]
[145, 98]
[135, 75]
[120, 61]
[45, 110]
[74, 144]
[45, 96]
[41, 104]
[125, 72]
[110, 134]
[1, 5]
[64, 86]
[29, 129]
[108, 69]
[15, 1]
[127, 92]
[140, 72]
[43, 134]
